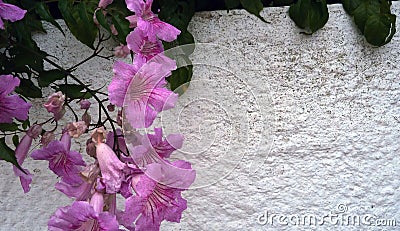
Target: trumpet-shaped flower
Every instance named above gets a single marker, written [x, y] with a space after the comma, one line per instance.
[82, 215]
[139, 43]
[149, 23]
[21, 152]
[158, 195]
[11, 105]
[63, 162]
[142, 91]
[154, 148]
[10, 12]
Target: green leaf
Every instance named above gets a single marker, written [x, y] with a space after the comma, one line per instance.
[364, 10]
[310, 15]
[79, 21]
[8, 127]
[15, 140]
[48, 77]
[380, 29]
[26, 124]
[253, 7]
[28, 89]
[43, 11]
[122, 26]
[180, 77]
[231, 4]
[73, 91]
[8, 154]
[350, 5]
[102, 20]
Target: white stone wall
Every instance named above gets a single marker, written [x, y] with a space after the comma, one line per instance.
[275, 121]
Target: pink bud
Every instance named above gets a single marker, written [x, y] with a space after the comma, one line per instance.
[111, 107]
[113, 30]
[99, 135]
[85, 104]
[76, 129]
[60, 114]
[121, 51]
[91, 148]
[47, 137]
[86, 118]
[55, 102]
[119, 118]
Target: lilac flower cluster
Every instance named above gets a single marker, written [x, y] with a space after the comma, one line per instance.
[150, 184]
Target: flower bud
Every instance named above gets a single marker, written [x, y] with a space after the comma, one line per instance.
[76, 129]
[113, 30]
[47, 137]
[99, 135]
[121, 51]
[111, 107]
[91, 148]
[85, 104]
[55, 103]
[119, 118]
[86, 118]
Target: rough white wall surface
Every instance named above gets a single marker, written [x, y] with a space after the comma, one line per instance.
[275, 122]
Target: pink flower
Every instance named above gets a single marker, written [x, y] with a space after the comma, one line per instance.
[21, 152]
[55, 105]
[83, 190]
[76, 129]
[111, 167]
[85, 216]
[10, 12]
[143, 90]
[121, 51]
[11, 105]
[149, 23]
[153, 148]
[139, 43]
[63, 162]
[158, 196]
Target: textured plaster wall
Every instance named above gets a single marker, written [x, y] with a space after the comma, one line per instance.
[275, 121]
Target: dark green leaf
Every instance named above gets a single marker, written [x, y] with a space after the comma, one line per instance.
[102, 20]
[231, 4]
[380, 28]
[73, 91]
[180, 78]
[122, 26]
[28, 89]
[364, 10]
[15, 140]
[43, 11]
[8, 127]
[26, 124]
[350, 5]
[79, 21]
[8, 154]
[310, 15]
[48, 77]
[253, 7]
